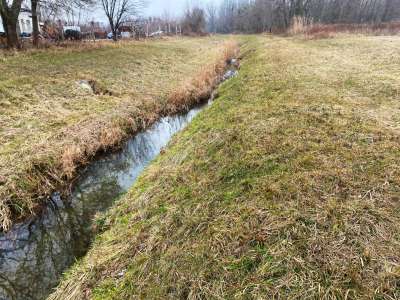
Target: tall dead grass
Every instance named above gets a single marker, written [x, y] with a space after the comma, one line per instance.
[54, 169]
[199, 89]
[311, 30]
[64, 46]
[299, 25]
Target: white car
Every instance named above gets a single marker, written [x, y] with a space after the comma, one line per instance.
[157, 33]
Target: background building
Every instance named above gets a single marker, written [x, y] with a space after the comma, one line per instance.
[24, 22]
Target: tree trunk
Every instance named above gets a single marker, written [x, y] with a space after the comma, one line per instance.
[10, 20]
[12, 34]
[113, 29]
[35, 23]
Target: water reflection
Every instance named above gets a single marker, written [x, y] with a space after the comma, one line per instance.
[33, 255]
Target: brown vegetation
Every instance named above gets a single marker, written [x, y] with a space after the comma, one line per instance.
[276, 15]
[194, 21]
[200, 88]
[390, 28]
[54, 163]
[301, 26]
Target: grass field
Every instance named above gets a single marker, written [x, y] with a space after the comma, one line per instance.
[288, 187]
[50, 125]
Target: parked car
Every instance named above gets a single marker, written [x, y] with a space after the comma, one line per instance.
[110, 36]
[25, 35]
[157, 33]
[72, 35]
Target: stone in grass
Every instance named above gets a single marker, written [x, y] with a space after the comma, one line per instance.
[93, 87]
[235, 63]
[85, 84]
[229, 74]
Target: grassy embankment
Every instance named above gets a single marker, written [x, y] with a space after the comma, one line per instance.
[287, 187]
[50, 125]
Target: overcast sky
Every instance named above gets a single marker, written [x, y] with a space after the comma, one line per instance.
[155, 8]
[158, 7]
[173, 7]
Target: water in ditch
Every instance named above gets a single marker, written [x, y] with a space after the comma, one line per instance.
[34, 254]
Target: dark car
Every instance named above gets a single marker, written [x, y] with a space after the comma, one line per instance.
[25, 35]
[72, 35]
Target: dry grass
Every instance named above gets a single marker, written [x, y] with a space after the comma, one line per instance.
[299, 25]
[200, 88]
[310, 30]
[50, 126]
[286, 188]
[61, 46]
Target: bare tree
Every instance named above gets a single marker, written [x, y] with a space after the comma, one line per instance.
[194, 21]
[117, 11]
[212, 15]
[264, 15]
[9, 13]
[35, 22]
[167, 20]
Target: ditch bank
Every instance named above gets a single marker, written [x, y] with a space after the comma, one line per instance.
[34, 254]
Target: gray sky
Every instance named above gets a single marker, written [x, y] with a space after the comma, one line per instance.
[158, 7]
[155, 8]
[173, 7]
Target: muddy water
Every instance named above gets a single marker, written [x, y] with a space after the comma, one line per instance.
[34, 254]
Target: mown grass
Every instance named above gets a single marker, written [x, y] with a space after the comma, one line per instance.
[50, 126]
[288, 187]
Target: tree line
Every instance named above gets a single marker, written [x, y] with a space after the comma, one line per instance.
[247, 16]
[254, 16]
